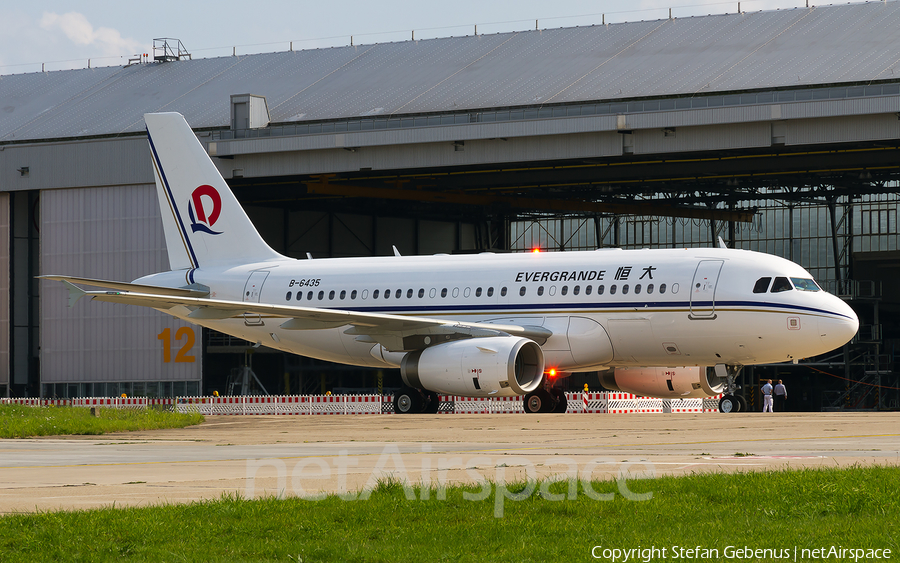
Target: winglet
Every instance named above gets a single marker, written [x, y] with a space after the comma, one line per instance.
[75, 293]
[722, 243]
[396, 252]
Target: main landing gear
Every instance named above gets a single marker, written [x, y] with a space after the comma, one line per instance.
[730, 401]
[545, 400]
[409, 401]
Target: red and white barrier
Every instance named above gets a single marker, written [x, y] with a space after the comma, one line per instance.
[590, 403]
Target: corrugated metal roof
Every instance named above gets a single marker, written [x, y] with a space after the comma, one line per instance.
[785, 48]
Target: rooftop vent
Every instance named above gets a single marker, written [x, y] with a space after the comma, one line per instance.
[166, 50]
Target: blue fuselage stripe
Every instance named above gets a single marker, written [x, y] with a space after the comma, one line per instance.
[576, 308]
[172, 202]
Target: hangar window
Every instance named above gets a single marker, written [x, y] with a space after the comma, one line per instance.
[288, 298]
[353, 294]
[490, 292]
[522, 291]
[662, 288]
[376, 293]
[781, 284]
[477, 292]
[540, 290]
[444, 292]
[331, 295]
[762, 285]
[343, 294]
[421, 292]
[503, 292]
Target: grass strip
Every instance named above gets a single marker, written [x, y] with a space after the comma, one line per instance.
[856, 508]
[22, 421]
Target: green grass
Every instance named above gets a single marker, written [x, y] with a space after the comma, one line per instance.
[853, 508]
[22, 421]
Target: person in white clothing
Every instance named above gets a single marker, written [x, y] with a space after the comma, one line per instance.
[767, 396]
[780, 396]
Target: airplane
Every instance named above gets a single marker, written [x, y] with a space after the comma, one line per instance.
[669, 323]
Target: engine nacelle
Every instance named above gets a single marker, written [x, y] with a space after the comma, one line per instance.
[499, 366]
[667, 383]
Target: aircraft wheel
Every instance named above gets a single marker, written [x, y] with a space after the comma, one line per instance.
[562, 403]
[728, 404]
[432, 402]
[538, 401]
[408, 400]
[742, 403]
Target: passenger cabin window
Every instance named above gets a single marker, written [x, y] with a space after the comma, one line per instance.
[478, 292]
[762, 285]
[805, 284]
[781, 284]
[502, 292]
[376, 293]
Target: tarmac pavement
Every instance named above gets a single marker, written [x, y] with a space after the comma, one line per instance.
[253, 456]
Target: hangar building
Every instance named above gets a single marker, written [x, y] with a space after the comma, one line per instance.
[778, 131]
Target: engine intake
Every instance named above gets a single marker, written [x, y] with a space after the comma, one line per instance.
[500, 366]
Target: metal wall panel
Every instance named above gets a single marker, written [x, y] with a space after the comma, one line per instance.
[5, 321]
[842, 129]
[108, 162]
[718, 137]
[524, 149]
[116, 234]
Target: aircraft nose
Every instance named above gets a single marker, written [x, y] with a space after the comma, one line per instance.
[840, 328]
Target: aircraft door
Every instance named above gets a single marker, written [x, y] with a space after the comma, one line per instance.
[703, 289]
[253, 287]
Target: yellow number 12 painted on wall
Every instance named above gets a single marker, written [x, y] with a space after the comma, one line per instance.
[182, 355]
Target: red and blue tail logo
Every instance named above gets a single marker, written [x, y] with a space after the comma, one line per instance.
[204, 221]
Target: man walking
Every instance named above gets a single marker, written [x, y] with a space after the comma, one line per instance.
[767, 396]
[780, 396]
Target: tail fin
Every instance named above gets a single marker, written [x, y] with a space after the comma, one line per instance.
[203, 221]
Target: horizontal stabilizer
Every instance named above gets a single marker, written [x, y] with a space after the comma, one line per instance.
[125, 286]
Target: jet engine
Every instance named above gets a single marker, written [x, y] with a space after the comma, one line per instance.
[667, 383]
[499, 366]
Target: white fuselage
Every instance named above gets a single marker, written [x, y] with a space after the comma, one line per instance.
[605, 308]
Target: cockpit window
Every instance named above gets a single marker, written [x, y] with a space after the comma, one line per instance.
[781, 284]
[762, 285]
[805, 284]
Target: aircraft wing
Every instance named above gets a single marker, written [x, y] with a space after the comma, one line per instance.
[394, 332]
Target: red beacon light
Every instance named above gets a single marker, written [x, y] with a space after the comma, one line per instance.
[551, 372]
[535, 250]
